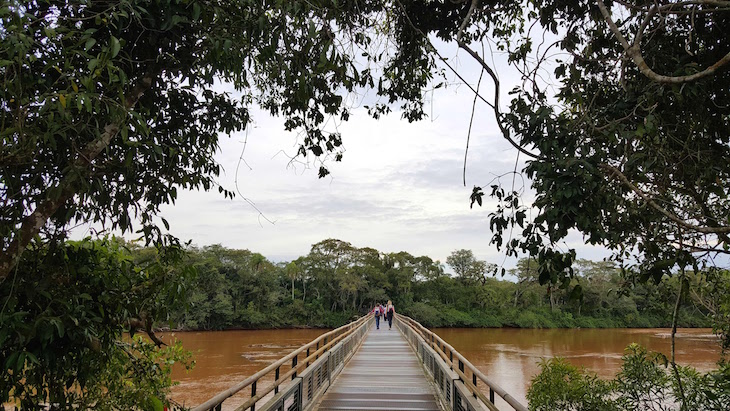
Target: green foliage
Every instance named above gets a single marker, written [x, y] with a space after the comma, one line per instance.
[108, 108]
[466, 266]
[712, 291]
[137, 376]
[630, 148]
[241, 289]
[116, 102]
[562, 386]
[63, 315]
[644, 383]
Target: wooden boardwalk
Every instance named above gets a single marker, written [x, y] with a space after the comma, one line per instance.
[383, 375]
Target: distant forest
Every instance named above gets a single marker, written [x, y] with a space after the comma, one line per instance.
[336, 282]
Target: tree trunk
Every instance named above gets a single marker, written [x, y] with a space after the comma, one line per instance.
[675, 315]
[552, 302]
[66, 188]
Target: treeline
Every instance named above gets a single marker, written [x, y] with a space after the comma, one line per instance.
[336, 282]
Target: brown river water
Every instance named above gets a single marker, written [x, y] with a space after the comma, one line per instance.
[509, 356]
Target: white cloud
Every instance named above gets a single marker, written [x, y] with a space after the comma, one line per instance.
[398, 188]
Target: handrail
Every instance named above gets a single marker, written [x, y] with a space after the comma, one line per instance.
[440, 346]
[338, 334]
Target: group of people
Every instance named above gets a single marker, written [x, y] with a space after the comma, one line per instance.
[387, 312]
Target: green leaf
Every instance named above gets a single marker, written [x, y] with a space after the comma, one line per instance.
[115, 46]
[154, 404]
[59, 327]
[89, 44]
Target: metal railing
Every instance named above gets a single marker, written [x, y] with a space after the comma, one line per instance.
[306, 378]
[456, 378]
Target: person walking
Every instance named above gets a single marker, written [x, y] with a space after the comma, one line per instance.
[390, 312]
[377, 311]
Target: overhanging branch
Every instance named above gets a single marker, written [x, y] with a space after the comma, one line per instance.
[66, 188]
[615, 172]
[634, 52]
[485, 66]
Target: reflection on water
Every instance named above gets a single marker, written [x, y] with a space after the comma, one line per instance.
[509, 356]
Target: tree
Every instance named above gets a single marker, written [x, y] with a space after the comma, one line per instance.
[62, 321]
[110, 107]
[114, 103]
[427, 269]
[292, 272]
[632, 149]
[467, 267]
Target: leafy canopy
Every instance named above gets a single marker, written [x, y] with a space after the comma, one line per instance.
[109, 107]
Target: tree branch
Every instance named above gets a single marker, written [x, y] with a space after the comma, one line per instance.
[644, 196]
[464, 23]
[634, 52]
[67, 187]
[675, 316]
[495, 105]
[144, 323]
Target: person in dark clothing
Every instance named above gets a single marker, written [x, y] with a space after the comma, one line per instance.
[389, 313]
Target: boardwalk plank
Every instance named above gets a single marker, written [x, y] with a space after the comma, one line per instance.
[383, 375]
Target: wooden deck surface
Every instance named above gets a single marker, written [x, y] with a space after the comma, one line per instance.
[383, 375]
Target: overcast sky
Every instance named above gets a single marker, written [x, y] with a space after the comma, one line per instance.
[398, 188]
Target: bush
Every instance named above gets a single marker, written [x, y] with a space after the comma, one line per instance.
[644, 383]
[562, 386]
[528, 319]
[426, 314]
[454, 318]
[486, 320]
[329, 319]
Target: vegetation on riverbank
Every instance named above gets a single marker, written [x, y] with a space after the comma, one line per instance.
[645, 382]
[337, 281]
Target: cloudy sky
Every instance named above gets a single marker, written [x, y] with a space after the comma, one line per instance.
[398, 188]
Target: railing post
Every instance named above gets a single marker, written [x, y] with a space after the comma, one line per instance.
[276, 378]
[293, 365]
[307, 357]
[461, 368]
[253, 394]
[474, 381]
[451, 359]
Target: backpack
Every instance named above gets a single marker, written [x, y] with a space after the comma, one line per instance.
[377, 310]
